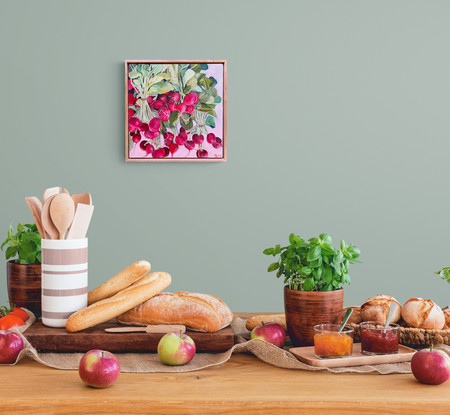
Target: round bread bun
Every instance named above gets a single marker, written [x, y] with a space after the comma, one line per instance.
[377, 308]
[446, 311]
[423, 314]
[355, 316]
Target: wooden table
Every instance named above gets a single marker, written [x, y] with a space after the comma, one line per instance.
[244, 385]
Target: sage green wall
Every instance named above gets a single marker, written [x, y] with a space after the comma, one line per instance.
[338, 121]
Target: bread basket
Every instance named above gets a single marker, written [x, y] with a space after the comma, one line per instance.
[413, 337]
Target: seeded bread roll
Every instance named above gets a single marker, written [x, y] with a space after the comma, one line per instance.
[201, 312]
[423, 314]
[377, 308]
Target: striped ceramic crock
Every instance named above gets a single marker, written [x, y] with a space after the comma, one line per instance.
[64, 279]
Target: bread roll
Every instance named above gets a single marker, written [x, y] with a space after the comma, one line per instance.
[101, 311]
[377, 308]
[119, 282]
[355, 317]
[423, 314]
[201, 312]
[255, 321]
[446, 311]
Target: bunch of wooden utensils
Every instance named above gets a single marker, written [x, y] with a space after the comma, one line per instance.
[60, 215]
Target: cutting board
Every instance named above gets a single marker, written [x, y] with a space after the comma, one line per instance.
[49, 339]
[306, 355]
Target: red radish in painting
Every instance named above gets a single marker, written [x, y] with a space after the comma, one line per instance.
[143, 127]
[173, 148]
[154, 124]
[143, 144]
[189, 109]
[191, 98]
[189, 145]
[158, 104]
[149, 149]
[130, 112]
[159, 153]
[217, 143]
[197, 138]
[131, 99]
[181, 108]
[151, 134]
[181, 139]
[136, 137]
[149, 99]
[130, 85]
[175, 97]
[172, 106]
[166, 151]
[168, 136]
[202, 154]
[211, 138]
[133, 124]
[164, 114]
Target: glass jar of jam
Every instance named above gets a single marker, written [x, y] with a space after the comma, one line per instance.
[329, 343]
[375, 340]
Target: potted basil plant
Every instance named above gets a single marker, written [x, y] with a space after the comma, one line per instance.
[23, 266]
[314, 273]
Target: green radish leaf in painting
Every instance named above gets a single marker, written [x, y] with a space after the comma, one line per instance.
[186, 125]
[213, 81]
[174, 117]
[154, 89]
[157, 68]
[192, 82]
[167, 86]
[133, 75]
[188, 75]
[173, 72]
[187, 89]
[204, 66]
[204, 82]
[196, 68]
[210, 121]
[204, 97]
[213, 91]
[185, 116]
[217, 100]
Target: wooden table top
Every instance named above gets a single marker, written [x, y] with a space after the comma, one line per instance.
[244, 385]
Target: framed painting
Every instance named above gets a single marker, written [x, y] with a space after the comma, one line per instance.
[175, 110]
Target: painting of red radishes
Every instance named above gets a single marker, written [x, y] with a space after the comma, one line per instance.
[175, 110]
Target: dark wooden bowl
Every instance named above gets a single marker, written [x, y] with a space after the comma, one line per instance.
[24, 286]
[305, 309]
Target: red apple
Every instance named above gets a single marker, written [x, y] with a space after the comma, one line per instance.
[176, 349]
[10, 346]
[99, 368]
[270, 332]
[431, 366]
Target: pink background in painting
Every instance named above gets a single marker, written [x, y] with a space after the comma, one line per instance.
[215, 70]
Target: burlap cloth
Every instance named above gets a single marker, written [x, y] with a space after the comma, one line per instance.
[149, 362]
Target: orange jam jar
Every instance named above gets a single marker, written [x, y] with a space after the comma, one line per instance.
[329, 343]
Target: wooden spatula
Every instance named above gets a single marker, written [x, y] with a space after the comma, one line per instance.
[51, 191]
[36, 210]
[81, 221]
[84, 198]
[62, 210]
[158, 328]
[47, 223]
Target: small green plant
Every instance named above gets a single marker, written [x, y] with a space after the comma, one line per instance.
[444, 273]
[26, 244]
[313, 265]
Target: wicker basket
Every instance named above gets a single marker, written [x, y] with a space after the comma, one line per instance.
[415, 338]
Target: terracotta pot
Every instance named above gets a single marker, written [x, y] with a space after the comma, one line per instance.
[24, 286]
[305, 309]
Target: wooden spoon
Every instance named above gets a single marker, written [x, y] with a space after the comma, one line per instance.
[62, 210]
[84, 198]
[35, 206]
[47, 222]
[52, 191]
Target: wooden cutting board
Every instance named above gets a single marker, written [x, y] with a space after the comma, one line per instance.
[306, 355]
[49, 339]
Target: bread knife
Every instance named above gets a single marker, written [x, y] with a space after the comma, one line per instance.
[157, 328]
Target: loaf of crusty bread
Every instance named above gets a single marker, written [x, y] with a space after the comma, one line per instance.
[255, 321]
[446, 311]
[101, 311]
[201, 312]
[423, 314]
[355, 317]
[119, 282]
[377, 308]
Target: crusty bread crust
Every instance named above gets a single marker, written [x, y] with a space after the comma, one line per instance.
[255, 321]
[104, 310]
[377, 308]
[196, 311]
[119, 282]
[355, 317]
[423, 314]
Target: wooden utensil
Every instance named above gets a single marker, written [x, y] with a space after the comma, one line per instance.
[51, 191]
[157, 328]
[81, 221]
[36, 210]
[84, 198]
[47, 223]
[62, 210]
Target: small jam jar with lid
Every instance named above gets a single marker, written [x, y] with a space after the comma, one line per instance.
[375, 339]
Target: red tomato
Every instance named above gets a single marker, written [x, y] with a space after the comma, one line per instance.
[19, 313]
[10, 321]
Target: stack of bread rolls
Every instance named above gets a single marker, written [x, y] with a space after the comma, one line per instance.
[133, 296]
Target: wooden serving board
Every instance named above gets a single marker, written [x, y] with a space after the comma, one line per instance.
[49, 339]
[306, 355]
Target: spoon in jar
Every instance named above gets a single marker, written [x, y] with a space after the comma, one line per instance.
[346, 317]
[392, 309]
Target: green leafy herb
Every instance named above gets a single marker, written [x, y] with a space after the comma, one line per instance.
[444, 273]
[25, 244]
[314, 265]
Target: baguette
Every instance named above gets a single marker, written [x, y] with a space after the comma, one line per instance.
[255, 321]
[104, 310]
[201, 312]
[120, 281]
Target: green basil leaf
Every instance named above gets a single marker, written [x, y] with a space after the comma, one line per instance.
[268, 251]
[273, 267]
[327, 275]
[11, 252]
[314, 253]
[10, 231]
[326, 237]
[308, 285]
